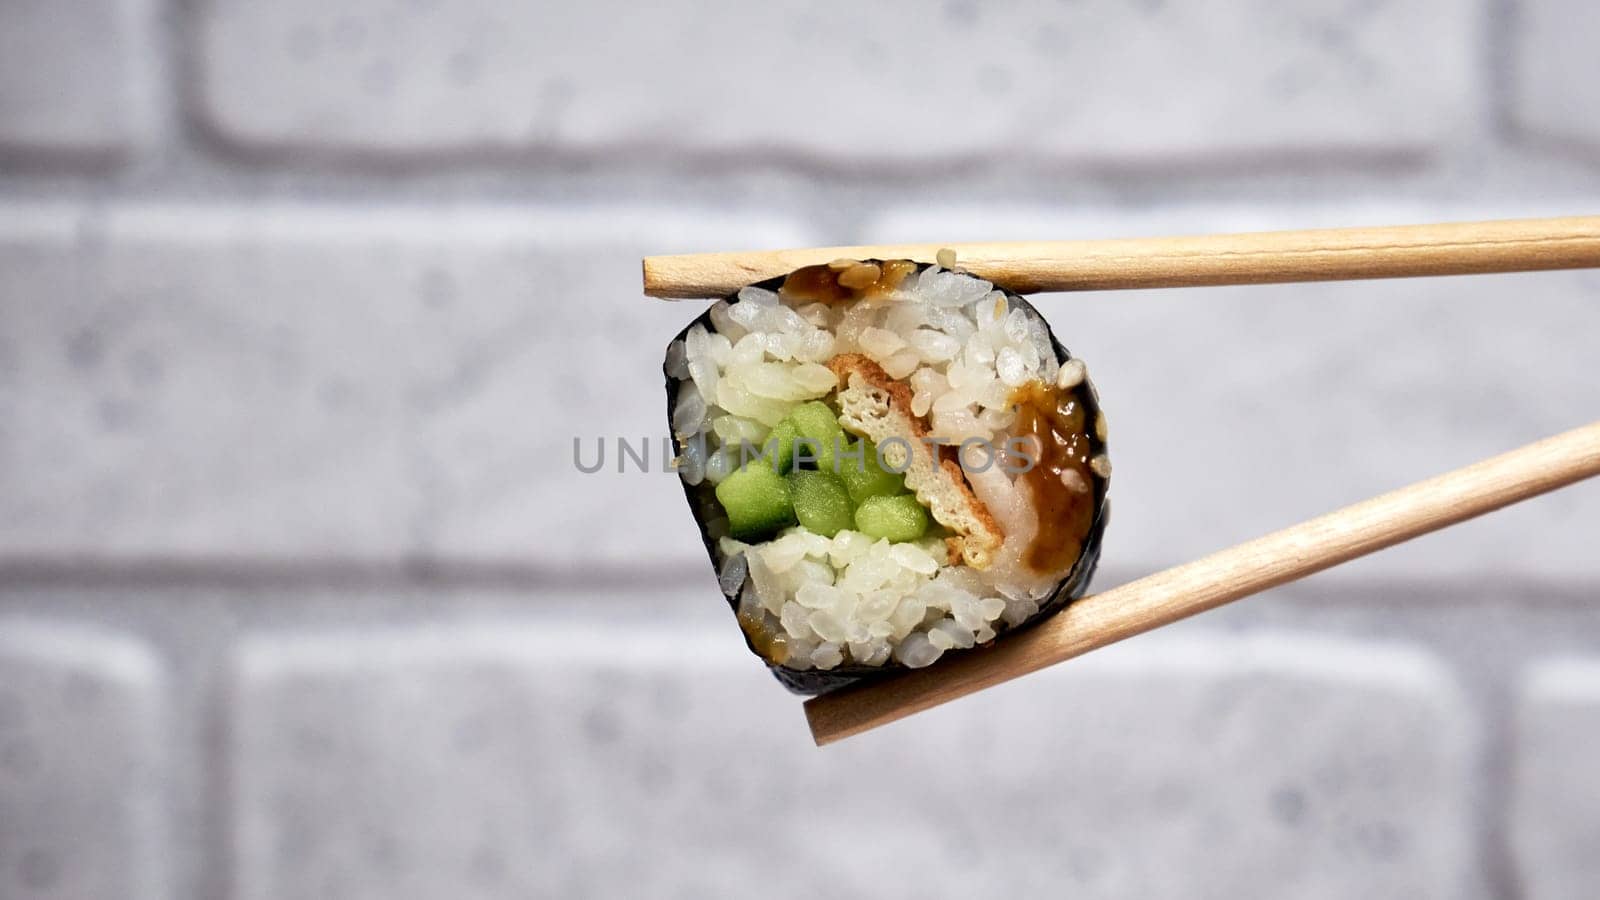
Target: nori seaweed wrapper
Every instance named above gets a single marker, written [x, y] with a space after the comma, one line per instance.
[703, 504]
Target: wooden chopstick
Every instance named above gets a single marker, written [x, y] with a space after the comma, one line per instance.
[1329, 254]
[1249, 568]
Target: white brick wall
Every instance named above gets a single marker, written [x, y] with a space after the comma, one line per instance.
[1100, 81]
[82, 807]
[1320, 769]
[301, 305]
[1556, 69]
[1556, 814]
[201, 382]
[287, 382]
[75, 78]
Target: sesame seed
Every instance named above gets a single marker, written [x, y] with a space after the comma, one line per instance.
[1101, 465]
[1071, 375]
[860, 276]
[1074, 481]
[946, 258]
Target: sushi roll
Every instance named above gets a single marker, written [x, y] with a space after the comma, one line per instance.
[888, 462]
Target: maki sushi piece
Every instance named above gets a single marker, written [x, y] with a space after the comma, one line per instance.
[888, 461]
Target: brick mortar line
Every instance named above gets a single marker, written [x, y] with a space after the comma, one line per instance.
[248, 575]
[329, 573]
[159, 179]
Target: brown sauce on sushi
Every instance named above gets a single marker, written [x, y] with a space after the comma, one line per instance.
[1061, 479]
[893, 273]
[773, 647]
[815, 284]
[844, 280]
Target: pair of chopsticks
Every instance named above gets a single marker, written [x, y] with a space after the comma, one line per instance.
[1249, 568]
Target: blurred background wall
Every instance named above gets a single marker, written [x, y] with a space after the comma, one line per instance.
[302, 305]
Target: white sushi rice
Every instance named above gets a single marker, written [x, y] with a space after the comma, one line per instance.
[850, 599]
